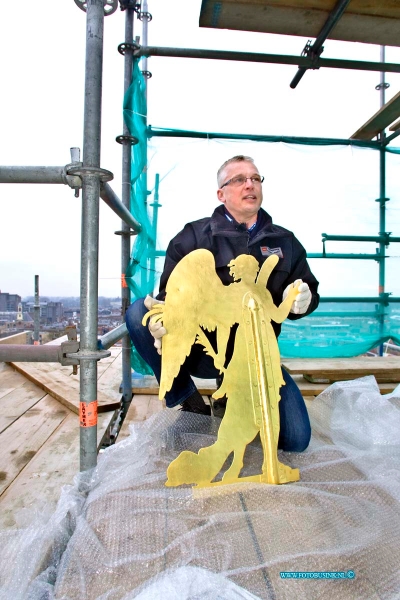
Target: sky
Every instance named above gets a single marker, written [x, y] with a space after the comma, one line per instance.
[308, 190]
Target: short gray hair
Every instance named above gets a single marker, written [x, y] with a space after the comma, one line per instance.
[238, 158]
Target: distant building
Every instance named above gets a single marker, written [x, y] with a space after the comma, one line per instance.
[20, 316]
[9, 302]
[50, 312]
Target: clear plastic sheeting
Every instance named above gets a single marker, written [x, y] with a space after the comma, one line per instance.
[186, 583]
[135, 538]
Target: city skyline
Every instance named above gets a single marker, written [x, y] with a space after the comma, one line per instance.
[308, 190]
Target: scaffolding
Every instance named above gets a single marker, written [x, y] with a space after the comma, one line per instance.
[87, 175]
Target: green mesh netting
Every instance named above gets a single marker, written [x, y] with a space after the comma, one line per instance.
[140, 284]
[335, 329]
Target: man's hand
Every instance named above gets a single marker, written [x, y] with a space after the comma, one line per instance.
[303, 298]
[156, 327]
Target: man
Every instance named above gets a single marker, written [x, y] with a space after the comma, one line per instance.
[238, 226]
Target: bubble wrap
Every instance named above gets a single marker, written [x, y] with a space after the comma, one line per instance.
[135, 538]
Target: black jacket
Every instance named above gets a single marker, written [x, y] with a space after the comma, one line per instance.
[227, 240]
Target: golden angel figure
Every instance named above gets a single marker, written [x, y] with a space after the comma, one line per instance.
[197, 302]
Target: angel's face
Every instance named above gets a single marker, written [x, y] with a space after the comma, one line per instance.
[242, 201]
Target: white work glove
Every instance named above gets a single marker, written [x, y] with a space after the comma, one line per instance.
[156, 327]
[303, 298]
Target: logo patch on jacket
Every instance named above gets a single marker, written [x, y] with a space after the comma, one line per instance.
[265, 251]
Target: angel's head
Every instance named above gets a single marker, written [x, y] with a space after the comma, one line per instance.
[245, 267]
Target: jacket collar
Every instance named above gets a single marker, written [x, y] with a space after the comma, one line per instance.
[220, 225]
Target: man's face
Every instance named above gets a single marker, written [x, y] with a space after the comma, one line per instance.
[243, 201]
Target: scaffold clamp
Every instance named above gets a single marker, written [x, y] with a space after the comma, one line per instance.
[128, 47]
[75, 356]
[110, 6]
[81, 171]
[127, 139]
[74, 181]
[69, 347]
[145, 16]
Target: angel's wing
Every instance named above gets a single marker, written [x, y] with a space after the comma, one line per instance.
[266, 270]
[194, 295]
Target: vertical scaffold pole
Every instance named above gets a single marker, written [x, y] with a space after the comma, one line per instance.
[90, 232]
[125, 237]
[156, 205]
[146, 276]
[382, 202]
[36, 314]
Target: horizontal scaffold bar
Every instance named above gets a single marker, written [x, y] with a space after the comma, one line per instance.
[110, 338]
[348, 256]
[37, 174]
[281, 59]
[382, 239]
[33, 174]
[345, 313]
[24, 353]
[301, 140]
[377, 299]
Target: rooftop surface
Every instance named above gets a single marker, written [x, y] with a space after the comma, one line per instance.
[39, 424]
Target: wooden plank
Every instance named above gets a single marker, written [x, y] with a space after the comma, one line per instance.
[309, 389]
[64, 388]
[206, 387]
[385, 369]
[10, 378]
[131, 417]
[17, 402]
[52, 467]
[380, 120]
[383, 8]
[365, 365]
[48, 367]
[110, 379]
[102, 364]
[373, 22]
[141, 408]
[22, 440]
[16, 338]
[155, 405]
[5, 391]
[395, 126]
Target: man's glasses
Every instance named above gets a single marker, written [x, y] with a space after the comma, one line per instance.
[241, 180]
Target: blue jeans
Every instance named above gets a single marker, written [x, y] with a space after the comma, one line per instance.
[295, 430]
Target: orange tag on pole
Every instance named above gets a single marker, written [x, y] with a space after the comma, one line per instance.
[88, 414]
[123, 281]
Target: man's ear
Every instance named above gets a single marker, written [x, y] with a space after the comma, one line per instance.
[220, 195]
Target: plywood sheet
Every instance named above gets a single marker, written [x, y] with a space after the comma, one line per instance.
[385, 369]
[64, 388]
[24, 438]
[140, 409]
[206, 387]
[17, 401]
[310, 390]
[381, 119]
[374, 22]
[10, 379]
[55, 464]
